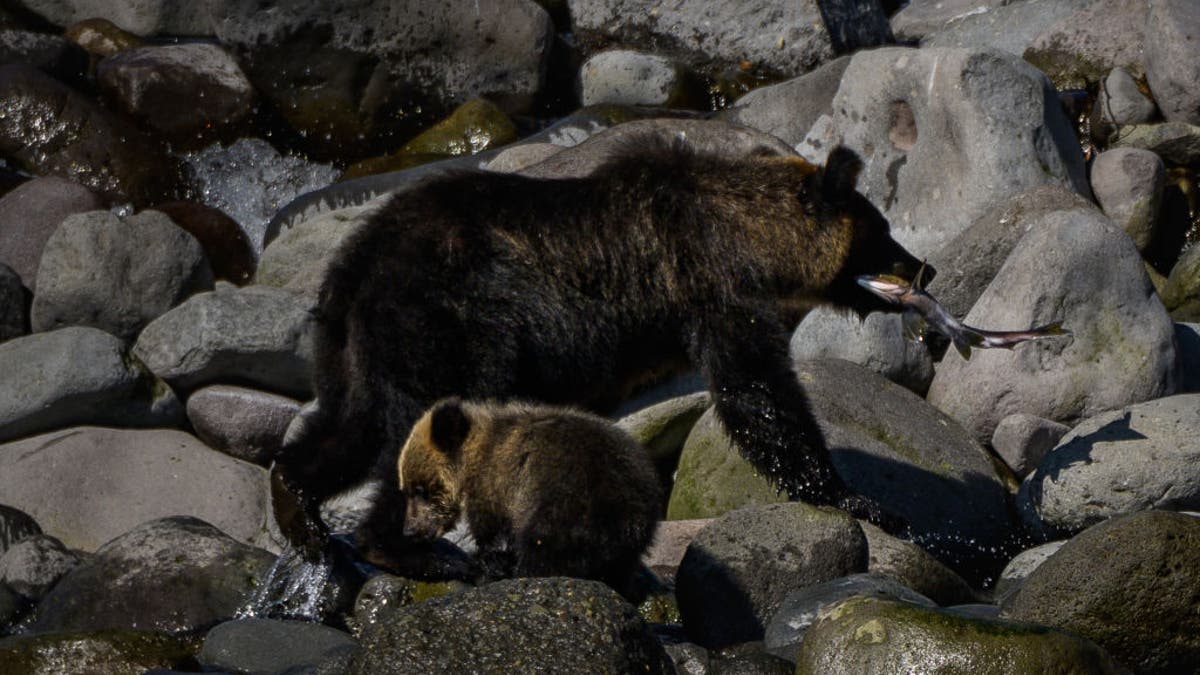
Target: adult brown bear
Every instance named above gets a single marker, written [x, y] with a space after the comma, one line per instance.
[575, 291]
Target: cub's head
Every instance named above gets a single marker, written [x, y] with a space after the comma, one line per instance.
[428, 470]
[872, 250]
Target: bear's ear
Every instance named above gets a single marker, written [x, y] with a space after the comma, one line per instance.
[841, 173]
[449, 425]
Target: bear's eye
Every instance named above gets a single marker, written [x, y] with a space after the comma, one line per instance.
[419, 492]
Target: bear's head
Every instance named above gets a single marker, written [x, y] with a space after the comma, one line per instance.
[872, 251]
[428, 470]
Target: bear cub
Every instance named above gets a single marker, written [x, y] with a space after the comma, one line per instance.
[545, 491]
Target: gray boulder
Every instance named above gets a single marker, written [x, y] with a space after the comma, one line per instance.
[789, 109]
[671, 539]
[874, 635]
[1023, 440]
[913, 567]
[1187, 337]
[1129, 584]
[947, 134]
[269, 646]
[924, 17]
[1022, 565]
[739, 569]
[789, 39]
[33, 565]
[1143, 456]
[1120, 102]
[298, 258]
[78, 376]
[1128, 184]
[1079, 50]
[1011, 28]
[255, 335]
[145, 17]
[1173, 58]
[876, 343]
[31, 213]
[171, 575]
[86, 485]
[14, 305]
[663, 428]
[116, 274]
[240, 422]
[545, 625]
[629, 77]
[1080, 269]
[15, 526]
[1177, 143]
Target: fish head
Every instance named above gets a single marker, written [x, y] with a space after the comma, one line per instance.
[890, 288]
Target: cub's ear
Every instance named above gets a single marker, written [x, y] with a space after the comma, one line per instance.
[841, 173]
[449, 425]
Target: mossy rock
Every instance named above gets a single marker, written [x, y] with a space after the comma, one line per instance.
[110, 651]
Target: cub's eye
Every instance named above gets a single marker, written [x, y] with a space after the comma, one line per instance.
[419, 492]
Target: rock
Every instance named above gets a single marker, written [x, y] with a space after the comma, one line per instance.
[146, 17]
[1187, 337]
[229, 251]
[14, 305]
[1011, 28]
[937, 129]
[514, 158]
[383, 594]
[628, 77]
[78, 376]
[105, 651]
[785, 632]
[738, 570]
[101, 37]
[1023, 440]
[172, 575]
[190, 93]
[872, 635]
[788, 40]
[789, 109]
[1176, 143]
[663, 428]
[87, 485]
[920, 18]
[670, 543]
[15, 527]
[1129, 584]
[1128, 184]
[298, 258]
[116, 274]
[876, 343]
[255, 335]
[33, 565]
[748, 659]
[49, 129]
[52, 54]
[30, 214]
[967, 263]
[240, 422]
[249, 180]
[268, 646]
[912, 566]
[1021, 566]
[1080, 269]
[1181, 295]
[1079, 50]
[1173, 58]
[1119, 103]
[544, 624]
[1124, 461]
[375, 73]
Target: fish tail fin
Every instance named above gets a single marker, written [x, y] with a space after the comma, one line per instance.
[964, 340]
[1055, 328]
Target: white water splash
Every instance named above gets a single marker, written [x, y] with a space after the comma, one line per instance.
[294, 588]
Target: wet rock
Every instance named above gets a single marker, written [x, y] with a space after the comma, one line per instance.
[789, 109]
[50, 53]
[670, 543]
[937, 130]
[1181, 295]
[1187, 337]
[549, 624]
[872, 635]
[30, 214]
[173, 575]
[104, 651]
[1119, 103]
[86, 485]
[268, 646]
[78, 376]
[147, 17]
[1011, 28]
[1080, 269]
[912, 566]
[116, 274]
[190, 93]
[747, 659]
[383, 594]
[1129, 584]
[1173, 58]
[663, 428]
[1079, 50]
[1128, 184]
[1021, 566]
[1176, 143]
[920, 18]
[101, 37]
[1023, 440]
[298, 258]
[229, 251]
[789, 40]
[785, 631]
[517, 157]
[33, 565]
[1140, 457]
[353, 78]
[14, 305]
[48, 129]
[738, 570]
[876, 343]
[630, 77]
[15, 526]
[249, 180]
[255, 335]
[240, 422]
